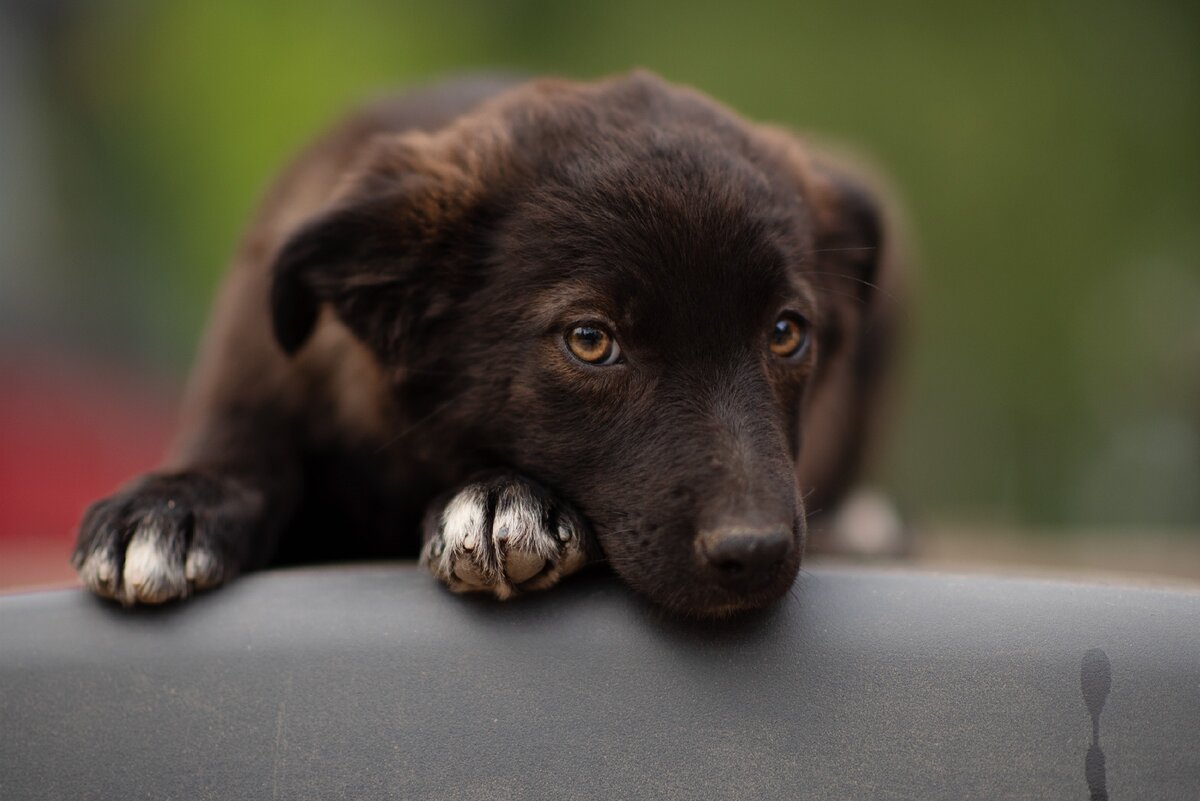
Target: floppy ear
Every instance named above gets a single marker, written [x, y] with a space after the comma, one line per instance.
[373, 257]
[849, 232]
[352, 257]
[849, 239]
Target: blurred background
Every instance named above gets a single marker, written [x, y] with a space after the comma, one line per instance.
[1048, 154]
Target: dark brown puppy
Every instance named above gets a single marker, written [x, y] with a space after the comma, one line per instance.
[554, 321]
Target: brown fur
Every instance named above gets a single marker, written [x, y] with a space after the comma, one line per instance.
[391, 326]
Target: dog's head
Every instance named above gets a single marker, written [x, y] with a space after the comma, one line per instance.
[620, 289]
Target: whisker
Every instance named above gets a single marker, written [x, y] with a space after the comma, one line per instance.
[410, 429]
[841, 250]
[847, 295]
[855, 279]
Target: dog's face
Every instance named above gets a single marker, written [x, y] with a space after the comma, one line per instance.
[618, 290]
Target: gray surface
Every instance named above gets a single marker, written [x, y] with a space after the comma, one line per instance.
[372, 682]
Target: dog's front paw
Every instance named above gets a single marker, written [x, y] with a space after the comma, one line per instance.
[164, 536]
[503, 535]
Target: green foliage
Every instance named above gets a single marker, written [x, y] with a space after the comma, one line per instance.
[1047, 154]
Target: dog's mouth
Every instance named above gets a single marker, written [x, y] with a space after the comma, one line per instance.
[723, 602]
[688, 587]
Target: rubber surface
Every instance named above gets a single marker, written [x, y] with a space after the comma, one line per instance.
[374, 683]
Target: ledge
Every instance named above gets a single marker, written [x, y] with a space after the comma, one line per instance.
[372, 682]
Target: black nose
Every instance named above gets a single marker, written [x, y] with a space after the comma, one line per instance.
[746, 555]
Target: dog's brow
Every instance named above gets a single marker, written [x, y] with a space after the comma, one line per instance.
[799, 289]
[552, 303]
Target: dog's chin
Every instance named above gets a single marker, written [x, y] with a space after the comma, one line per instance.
[690, 597]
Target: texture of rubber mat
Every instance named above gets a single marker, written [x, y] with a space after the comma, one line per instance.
[373, 682]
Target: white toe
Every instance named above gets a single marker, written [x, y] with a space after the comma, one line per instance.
[99, 574]
[152, 573]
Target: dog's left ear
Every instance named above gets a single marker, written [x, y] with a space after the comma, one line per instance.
[375, 256]
[849, 238]
[849, 232]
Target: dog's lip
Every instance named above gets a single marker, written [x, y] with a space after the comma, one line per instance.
[783, 569]
[723, 608]
[740, 587]
[713, 600]
[710, 598]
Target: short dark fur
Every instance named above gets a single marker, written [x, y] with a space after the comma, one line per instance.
[392, 325]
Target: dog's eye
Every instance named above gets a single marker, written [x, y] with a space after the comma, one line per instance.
[592, 344]
[789, 336]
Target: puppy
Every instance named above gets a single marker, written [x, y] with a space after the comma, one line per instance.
[541, 323]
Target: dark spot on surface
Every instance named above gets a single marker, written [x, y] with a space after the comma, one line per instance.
[1095, 679]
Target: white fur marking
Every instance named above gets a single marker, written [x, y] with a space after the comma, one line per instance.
[151, 575]
[99, 573]
[462, 520]
[517, 549]
[202, 568]
[521, 515]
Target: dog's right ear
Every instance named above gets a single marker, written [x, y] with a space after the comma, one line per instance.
[371, 257]
[323, 247]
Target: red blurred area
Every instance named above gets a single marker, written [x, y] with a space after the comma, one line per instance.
[70, 432]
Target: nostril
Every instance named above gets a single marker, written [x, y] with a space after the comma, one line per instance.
[745, 553]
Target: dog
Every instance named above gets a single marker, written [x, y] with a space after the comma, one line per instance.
[515, 327]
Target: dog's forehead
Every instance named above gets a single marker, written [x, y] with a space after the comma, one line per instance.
[662, 228]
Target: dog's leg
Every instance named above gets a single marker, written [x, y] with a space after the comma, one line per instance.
[251, 415]
[503, 534]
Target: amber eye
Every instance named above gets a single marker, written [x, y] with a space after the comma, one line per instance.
[592, 344]
[789, 336]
